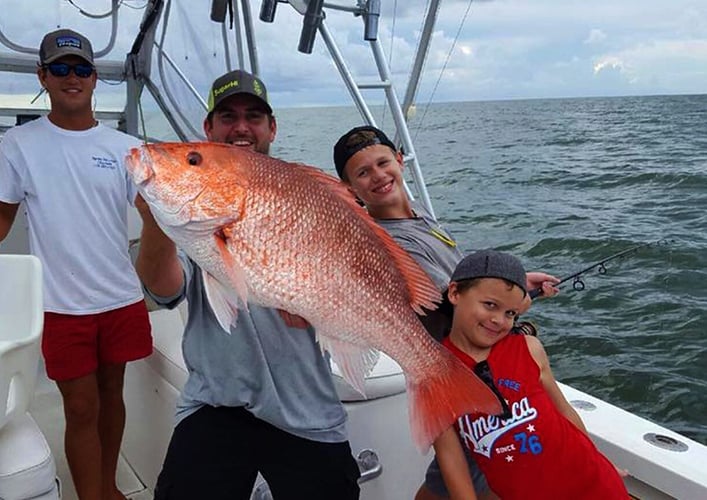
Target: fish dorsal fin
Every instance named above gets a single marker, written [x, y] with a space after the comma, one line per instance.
[423, 292]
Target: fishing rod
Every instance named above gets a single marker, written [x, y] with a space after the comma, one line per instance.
[578, 283]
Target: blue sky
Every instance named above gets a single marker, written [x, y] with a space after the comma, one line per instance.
[506, 48]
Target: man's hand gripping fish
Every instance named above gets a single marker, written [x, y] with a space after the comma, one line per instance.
[290, 237]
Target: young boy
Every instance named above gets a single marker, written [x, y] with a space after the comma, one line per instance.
[539, 447]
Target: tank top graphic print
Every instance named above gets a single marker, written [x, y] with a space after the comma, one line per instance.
[537, 453]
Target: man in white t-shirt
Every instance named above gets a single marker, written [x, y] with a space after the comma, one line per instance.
[68, 170]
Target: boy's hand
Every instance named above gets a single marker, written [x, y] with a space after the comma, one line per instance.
[544, 282]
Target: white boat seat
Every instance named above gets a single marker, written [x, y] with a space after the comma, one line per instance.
[386, 378]
[27, 468]
[21, 322]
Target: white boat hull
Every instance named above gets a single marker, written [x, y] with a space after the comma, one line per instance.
[381, 425]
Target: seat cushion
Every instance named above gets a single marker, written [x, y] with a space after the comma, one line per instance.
[27, 468]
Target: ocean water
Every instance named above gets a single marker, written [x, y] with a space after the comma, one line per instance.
[565, 183]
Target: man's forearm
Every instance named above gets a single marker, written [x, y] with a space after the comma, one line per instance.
[157, 263]
[8, 211]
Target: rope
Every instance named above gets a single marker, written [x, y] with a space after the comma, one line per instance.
[142, 121]
[444, 67]
[95, 16]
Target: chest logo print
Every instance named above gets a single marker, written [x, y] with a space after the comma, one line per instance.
[480, 434]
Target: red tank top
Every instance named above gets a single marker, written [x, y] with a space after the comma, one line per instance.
[537, 453]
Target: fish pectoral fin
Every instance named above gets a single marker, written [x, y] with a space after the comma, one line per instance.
[233, 269]
[354, 362]
[223, 302]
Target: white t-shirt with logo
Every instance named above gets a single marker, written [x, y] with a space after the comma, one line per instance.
[76, 192]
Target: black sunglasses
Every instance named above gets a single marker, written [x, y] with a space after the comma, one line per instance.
[61, 70]
[483, 371]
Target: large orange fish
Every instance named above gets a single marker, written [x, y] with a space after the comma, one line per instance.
[289, 236]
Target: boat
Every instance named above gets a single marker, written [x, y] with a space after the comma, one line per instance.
[662, 463]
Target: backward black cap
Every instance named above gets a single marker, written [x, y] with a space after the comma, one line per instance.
[491, 264]
[343, 149]
[481, 264]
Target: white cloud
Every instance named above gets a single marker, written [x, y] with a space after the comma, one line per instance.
[507, 48]
[665, 64]
[610, 62]
[595, 36]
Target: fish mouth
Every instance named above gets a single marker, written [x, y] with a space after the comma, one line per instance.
[138, 165]
[176, 212]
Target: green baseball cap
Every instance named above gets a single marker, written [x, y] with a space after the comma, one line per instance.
[237, 82]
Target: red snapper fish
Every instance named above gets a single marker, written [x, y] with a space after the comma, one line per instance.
[288, 236]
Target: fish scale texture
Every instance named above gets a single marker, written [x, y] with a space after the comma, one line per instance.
[304, 250]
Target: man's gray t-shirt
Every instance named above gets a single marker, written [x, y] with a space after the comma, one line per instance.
[276, 372]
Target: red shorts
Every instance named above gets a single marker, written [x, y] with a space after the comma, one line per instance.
[73, 346]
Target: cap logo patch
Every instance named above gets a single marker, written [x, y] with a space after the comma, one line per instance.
[225, 87]
[68, 41]
[257, 88]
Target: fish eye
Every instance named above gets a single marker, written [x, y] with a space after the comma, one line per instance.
[194, 159]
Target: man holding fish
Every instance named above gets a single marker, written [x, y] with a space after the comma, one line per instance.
[257, 231]
[259, 398]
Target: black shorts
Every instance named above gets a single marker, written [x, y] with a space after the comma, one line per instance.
[435, 482]
[216, 453]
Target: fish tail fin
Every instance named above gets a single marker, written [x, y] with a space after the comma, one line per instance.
[435, 403]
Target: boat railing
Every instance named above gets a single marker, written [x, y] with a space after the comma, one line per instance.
[136, 69]
[314, 19]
